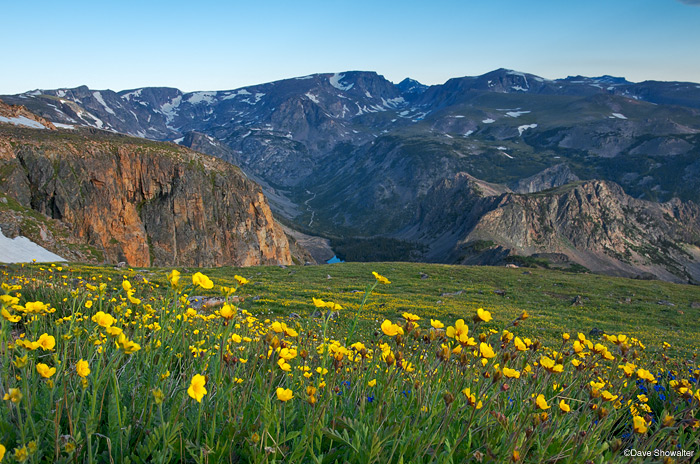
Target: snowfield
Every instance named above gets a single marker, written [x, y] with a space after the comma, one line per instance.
[22, 250]
[22, 121]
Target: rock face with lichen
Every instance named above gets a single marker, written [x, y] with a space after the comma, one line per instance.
[146, 203]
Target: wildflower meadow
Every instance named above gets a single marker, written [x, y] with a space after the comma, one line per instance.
[119, 366]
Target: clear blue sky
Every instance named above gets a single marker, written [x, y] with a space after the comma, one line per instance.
[215, 45]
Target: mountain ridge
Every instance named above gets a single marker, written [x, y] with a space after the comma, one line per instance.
[353, 155]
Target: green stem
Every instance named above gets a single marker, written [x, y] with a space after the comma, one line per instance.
[368, 291]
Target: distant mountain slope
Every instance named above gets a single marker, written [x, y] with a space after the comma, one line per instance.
[594, 224]
[352, 155]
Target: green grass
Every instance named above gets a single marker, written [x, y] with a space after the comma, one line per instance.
[307, 392]
[611, 304]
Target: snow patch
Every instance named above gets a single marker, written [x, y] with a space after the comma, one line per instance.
[619, 116]
[258, 96]
[488, 121]
[458, 116]
[522, 129]
[130, 95]
[202, 97]
[335, 82]
[63, 126]
[393, 102]
[22, 121]
[235, 94]
[519, 89]
[178, 141]
[506, 154]
[60, 93]
[98, 97]
[310, 76]
[468, 133]
[420, 116]
[22, 250]
[515, 114]
[369, 95]
[170, 109]
[312, 97]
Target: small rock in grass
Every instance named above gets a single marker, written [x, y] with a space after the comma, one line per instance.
[595, 332]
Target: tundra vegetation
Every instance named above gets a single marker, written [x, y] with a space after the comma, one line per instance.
[353, 362]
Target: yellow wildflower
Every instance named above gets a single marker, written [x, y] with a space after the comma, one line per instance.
[227, 312]
[82, 367]
[541, 402]
[46, 342]
[9, 317]
[21, 454]
[284, 394]
[563, 406]
[639, 424]
[391, 329]
[519, 344]
[486, 350]
[483, 315]
[14, 395]
[103, 319]
[202, 280]
[174, 278]
[381, 278]
[550, 365]
[241, 280]
[645, 375]
[45, 371]
[196, 389]
[20, 362]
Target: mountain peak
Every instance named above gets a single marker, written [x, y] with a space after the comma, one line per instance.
[410, 86]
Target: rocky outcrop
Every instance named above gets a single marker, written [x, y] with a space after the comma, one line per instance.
[18, 115]
[555, 176]
[146, 203]
[598, 226]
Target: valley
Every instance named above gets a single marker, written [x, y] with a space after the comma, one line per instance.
[437, 172]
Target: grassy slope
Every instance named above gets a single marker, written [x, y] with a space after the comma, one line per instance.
[545, 294]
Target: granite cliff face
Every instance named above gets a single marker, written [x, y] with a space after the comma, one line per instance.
[146, 203]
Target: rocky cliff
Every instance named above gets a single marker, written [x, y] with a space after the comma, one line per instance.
[146, 203]
[596, 225]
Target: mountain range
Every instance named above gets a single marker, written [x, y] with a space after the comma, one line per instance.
[477, 170]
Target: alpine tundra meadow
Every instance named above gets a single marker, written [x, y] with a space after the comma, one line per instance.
[103, 364]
